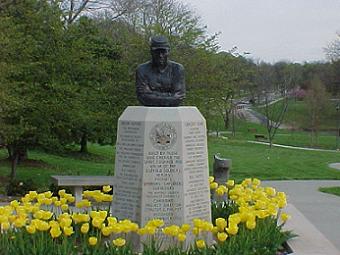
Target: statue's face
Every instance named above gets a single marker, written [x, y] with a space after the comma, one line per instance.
[160, 57]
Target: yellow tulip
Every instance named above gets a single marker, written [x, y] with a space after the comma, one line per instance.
[262, 214]
[48, 194]
[230, 183]
[213, 185]
[256, 182]
[219, 192]
[31, 229]
[41, 225]
[198, 223]
[172, 230]
[232, 229]
[246, 182]
[270, 191]
[15, 203]
[211, 179]
[222, 236]
[47, 201]
[53, 223]
[32, 194]
[150, 230]
[65, 222]
[62, 192]
[251, 224]
[157, 223]
[85, 228]
[57, 203]
[207, 226]
[68, 231]
[55, 232]
[64, 207]
[47, 215]
[181, 237]
[112, 220]
[107, 188]
[285, 217]
[106, 231]
[117, 228]
[142, 231]
[214, 230]
[5, 225]
[200, 244]
[185, 228]
[119, 242]
[220, 223]
[282, 202]
[20, 222]
[97, 222]
[93, 240]
[196, 231]
[38, 214]
[71, 199]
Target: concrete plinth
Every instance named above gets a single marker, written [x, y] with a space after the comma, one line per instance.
[161, 167]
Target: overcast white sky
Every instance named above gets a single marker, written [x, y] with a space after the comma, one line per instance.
[272, 30]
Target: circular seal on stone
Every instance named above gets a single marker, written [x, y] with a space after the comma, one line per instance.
[163, 136]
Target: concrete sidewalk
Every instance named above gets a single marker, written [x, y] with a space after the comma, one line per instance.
[320, 209]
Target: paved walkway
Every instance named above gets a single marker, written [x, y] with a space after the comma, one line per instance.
[321, 209]
[335, 166]
[292, 147]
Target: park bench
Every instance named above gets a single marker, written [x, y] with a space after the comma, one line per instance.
[77, 182]
[260, 136]
[252, 130]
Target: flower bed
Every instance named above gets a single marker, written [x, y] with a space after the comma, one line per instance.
[247, 219]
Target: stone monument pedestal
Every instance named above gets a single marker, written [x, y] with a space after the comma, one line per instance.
[161, 165]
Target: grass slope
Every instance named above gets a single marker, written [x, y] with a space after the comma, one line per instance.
[253, 160]
[331, 190]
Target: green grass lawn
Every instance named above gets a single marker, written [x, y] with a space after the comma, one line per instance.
[244, 131]
[297, 114]
[248, 160]
[331, 190]
[41, 166]
[253, 160]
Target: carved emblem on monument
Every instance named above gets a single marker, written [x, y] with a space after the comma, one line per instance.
[163, 136]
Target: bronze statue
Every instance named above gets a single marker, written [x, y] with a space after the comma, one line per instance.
[160, 82]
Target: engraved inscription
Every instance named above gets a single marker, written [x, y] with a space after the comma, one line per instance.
[196, 190]
[128, 170]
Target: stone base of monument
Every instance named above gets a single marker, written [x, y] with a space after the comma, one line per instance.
[161, 166]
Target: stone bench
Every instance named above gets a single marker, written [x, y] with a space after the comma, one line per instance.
[79, 181]
[260, 136]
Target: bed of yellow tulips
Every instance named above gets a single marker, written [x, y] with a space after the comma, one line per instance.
[247, 219]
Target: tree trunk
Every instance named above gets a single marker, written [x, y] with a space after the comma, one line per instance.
[83, 143]
[10, 152]
[22, 155]
[226, 119]
[14, 163]
[233, 119]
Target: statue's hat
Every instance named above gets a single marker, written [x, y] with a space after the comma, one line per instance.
[159, 42]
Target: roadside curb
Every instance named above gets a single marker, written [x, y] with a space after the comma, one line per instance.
[310, 241]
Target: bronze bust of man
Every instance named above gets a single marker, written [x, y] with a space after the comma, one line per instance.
[160, 82]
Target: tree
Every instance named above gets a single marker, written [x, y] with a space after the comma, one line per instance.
[30, 112]
[333, 49]
[93, 68]
[316, 100]
[71, 10]
[274, 113]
